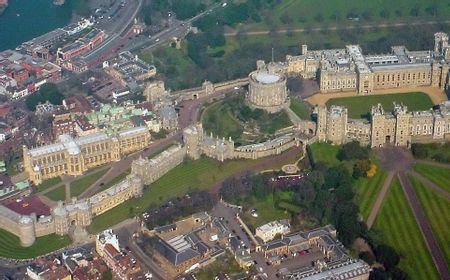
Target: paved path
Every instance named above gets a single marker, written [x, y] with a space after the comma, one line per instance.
[377, 205]
[425, 228]
[427, 183]
[434, 163]
[337, 27]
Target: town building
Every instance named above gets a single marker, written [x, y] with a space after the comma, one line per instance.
[348, 69]
[270, 230]
[74, 156]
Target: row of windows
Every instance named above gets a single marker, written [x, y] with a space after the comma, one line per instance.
[403, 76]
[340, 82]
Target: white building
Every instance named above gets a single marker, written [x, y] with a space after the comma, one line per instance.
[268, 231]
[106, 237]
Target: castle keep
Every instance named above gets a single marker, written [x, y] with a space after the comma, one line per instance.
[348, 69]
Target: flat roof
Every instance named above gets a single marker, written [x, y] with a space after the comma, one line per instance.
[267, 78]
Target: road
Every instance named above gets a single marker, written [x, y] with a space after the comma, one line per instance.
[334, 28]
[425, 229]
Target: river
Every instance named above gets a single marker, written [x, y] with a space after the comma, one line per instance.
[26, 19]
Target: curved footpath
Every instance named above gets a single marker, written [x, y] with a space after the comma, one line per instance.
[424, 226]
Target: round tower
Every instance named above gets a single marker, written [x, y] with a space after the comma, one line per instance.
[26, 231]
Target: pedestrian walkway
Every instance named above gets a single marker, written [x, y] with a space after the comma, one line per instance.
[377, 205]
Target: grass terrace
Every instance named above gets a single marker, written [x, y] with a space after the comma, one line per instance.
[80, 185]
[57, 194]
[438, 175]
[360, 106]
[48, 183]
[301, 109]
[437, 210]
[10, 245]
[400, 230]
[324, 152]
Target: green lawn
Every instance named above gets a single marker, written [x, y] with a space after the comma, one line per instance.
[57, 194]
[114, 181]
[302, 109]
[437, 210]
[199, 174]
[10, 245]
[366, 190]
[219, 121]
[323, 152]
[438, 175]
[80, 185]
[396, 222]
[266, 210]
[48, 183]
[359, 106]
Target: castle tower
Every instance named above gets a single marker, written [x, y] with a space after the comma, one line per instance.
[435, 74]
[60, 216]
[321, 130]
[402, 137]
[440, 42]
[136, 185]
[192, 137]
[337, 124]
[444, 76]
[378, 137]
[304, 49]
[26, 231]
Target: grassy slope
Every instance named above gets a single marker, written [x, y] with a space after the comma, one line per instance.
[266, 212]
[366, 190]
[437, 210]
[359, 106]
[199, 174]
[10, 245]
[396, 221]
[57, 194]
[438, 175]
[301, 109]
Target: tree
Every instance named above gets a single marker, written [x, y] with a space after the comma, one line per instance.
[419, 150]
[387, 256]
[353, 150]
[47, 92]
[107, 275]
[360, 168]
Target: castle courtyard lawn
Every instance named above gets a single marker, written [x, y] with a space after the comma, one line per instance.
[399, 229]
[438, 175]
[437, 210]
[366, 190]
[359, 106]
[191, 175]
[301, 109]
[10, 245]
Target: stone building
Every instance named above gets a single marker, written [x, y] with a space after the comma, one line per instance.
[267, 90]
[73, 156]
[348, 69]
[399, 127]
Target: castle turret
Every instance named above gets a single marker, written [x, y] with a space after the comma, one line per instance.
[26, 231]
[192, 137]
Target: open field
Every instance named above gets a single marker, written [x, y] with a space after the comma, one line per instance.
[301, 109]
[296, 13]
[359, 106]
[439, 176]
[199, 174]
[367, 190]
[323, 152]
[437, 210]
[400, 230]
[10, 245]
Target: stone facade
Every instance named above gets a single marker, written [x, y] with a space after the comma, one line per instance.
[73, 156]
[347, 69]
[267, 90]
[399, 127]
